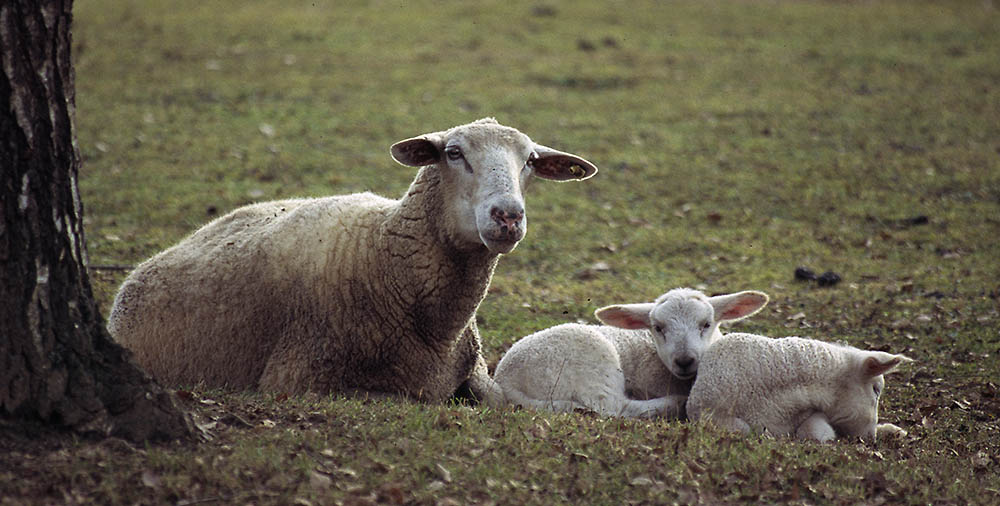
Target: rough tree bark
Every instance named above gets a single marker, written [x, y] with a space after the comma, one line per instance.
[58, 365]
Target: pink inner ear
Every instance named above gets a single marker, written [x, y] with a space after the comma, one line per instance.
[875, 367]
[742, 308]
[622, 318]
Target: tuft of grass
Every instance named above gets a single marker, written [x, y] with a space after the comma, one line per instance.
[736, 141]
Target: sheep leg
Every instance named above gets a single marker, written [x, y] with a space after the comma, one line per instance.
[482, 386]
[817, 428]
[887, 429]
[515, 397]
[731, 423]
[671, 407]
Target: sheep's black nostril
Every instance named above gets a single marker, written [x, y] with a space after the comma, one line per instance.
[507, 219]
[684, 362]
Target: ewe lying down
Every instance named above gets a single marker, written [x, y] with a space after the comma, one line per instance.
[792, 387]
[354, 293]
[641, 364]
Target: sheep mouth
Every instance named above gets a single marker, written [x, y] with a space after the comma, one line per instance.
[501, 245]
[501, 239]
[686, 375]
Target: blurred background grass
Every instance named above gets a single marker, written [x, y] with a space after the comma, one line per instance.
[736, 140]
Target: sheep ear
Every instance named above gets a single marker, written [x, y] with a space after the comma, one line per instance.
[558, 166]
[626, 316]
[877, 363]
[418, 151]
[739, 305]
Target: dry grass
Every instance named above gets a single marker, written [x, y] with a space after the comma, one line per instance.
[736, 140]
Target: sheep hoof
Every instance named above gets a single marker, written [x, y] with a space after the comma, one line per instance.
[890, 430]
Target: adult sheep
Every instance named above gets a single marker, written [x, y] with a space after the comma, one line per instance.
[353, 293]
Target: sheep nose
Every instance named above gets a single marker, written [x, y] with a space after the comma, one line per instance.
[683, 363]
[509, 220]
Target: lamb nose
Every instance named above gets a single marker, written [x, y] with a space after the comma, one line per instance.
[684, 362]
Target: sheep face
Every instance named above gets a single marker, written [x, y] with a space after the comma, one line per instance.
[855, 410]
[485, 168]
[683, 323]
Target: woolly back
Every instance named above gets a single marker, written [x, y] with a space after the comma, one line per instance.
[778, 363]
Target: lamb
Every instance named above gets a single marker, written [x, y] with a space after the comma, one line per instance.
[792, 386]
[641, 364]
[357, 294]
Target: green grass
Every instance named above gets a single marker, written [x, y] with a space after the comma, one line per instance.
[736, 141]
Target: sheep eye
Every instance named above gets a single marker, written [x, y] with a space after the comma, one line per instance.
[453, 153]
[658, 329]
[705, 326]
[878, 391]
[530, 163]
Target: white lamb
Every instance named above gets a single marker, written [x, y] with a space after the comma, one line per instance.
[641, 364]
[792, 387]
[354, 293]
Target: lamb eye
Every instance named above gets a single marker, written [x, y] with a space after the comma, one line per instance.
[878, 391]
[453, 153]
[658, 329]
[706, 326]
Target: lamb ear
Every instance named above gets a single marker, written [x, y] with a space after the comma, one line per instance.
[877, 363]
[626, 316]
[418, 151]
[739, 305]
[558, 166]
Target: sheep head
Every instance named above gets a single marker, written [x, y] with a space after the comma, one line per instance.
[484, 169]
[683, 322]
[855, 411]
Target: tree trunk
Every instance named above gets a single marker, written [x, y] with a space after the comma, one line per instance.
[58, 365]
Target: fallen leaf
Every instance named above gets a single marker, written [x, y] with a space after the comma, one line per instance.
[539, 431]
[391, 493]
[981, 460]
[444, 473]
[151, 479]
[641, 481]
[319, 480]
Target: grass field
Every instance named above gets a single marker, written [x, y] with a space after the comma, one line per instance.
[737, 140]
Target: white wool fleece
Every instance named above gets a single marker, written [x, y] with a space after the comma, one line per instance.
[791, 386]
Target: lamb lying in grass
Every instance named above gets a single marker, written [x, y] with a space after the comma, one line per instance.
[640, 365]
[792, 387]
